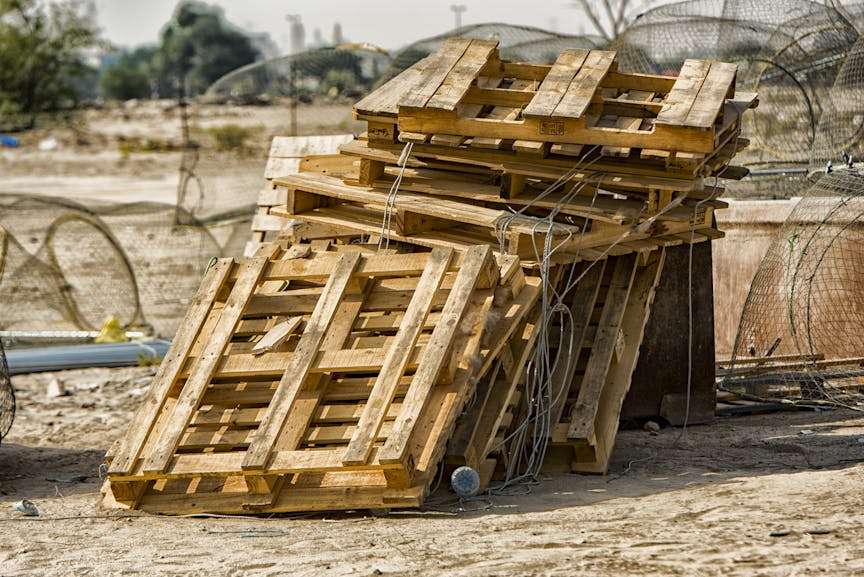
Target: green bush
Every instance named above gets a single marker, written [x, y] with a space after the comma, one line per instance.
[128, 145]
[233, 137]
[44, 49]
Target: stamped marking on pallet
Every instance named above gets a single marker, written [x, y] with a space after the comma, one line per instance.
[552, 128]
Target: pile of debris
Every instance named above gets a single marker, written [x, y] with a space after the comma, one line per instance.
[468, 282]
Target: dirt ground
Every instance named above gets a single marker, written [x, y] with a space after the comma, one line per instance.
[699, 504]
[93, 159]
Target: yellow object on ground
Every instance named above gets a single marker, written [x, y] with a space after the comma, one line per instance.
[111, 332]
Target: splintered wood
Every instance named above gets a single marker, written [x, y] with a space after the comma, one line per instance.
[388, 285]
[351, 407]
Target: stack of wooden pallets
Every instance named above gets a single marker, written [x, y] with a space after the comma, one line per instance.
[384, 330]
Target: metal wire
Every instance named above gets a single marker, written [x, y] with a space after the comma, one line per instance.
[7, 396]
[390, 204]
[68, 265]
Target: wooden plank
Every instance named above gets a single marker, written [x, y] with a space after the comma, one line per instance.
[556, 83]
[602, 208]
[298, 499]
[680, 99]
[587, 81]
[503, 113]
[585, 408]
[205, 366]
[420, 204]
[301, 360]
[381, 266]
[631, 81]
[384, 100]
[491, 419]
[267, 223]
[485, 95]
[476, 259]
[277, 335]
[318, 387]
[712, 95]
[567, 149]
[534, 147]
[627, 123]
[567, 130]
[142, 423]
[462, 76]
[467, 110]
[549, 168]
[397, 356]
[435, 72]
[523, 70]
[428, 442]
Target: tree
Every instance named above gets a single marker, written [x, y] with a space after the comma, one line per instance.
[132, 76]
[611, 17]
[43, 54]
[198, 46]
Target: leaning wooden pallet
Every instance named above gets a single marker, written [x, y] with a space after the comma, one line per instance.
[347, 379]
[599, 349]
[610, 309]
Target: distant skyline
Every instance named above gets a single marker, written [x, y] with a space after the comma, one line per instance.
[387, 23]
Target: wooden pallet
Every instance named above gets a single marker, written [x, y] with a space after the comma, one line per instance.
[610, 308]
[303, 380]
[502, 167]
[465, 91]
[292, 155]
[434, 221]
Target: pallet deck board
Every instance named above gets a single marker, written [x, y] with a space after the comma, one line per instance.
[435, 72]
[557, 82]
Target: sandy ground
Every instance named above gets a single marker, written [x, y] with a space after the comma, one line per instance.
[90, 163]
[699, 505]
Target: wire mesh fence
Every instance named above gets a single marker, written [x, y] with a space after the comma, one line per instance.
[70, 265]
[792, 52]
[800, 331]
[7, 396]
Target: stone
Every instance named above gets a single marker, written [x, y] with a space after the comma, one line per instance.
[651, 427]
[56, 389]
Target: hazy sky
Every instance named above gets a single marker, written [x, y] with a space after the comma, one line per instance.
[388, 23]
